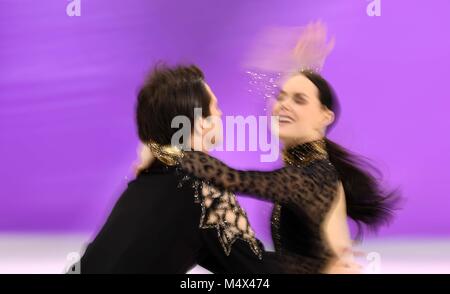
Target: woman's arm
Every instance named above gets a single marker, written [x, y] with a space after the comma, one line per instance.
[310, 189]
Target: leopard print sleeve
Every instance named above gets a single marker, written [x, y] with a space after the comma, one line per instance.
[311, 188]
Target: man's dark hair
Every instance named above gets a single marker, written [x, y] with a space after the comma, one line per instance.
[168, 92]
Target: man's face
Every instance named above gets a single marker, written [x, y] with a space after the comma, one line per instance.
[213, 128]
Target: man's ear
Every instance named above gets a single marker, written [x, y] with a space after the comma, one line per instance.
[199, 123]
[197, 133]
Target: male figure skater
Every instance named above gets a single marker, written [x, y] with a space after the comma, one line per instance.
[157, 226]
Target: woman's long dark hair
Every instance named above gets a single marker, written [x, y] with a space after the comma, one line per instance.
[367, 203]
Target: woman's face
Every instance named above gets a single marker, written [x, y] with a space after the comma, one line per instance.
[302, 117]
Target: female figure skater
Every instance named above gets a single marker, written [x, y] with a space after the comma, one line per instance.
[320, 185]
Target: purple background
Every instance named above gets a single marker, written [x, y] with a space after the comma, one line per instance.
[68, 86]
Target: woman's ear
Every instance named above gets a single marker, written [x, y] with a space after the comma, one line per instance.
[329, 117]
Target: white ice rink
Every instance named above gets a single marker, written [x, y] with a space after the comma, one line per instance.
[40, 254]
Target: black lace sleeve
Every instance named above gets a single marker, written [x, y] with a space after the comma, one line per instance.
[311, 188]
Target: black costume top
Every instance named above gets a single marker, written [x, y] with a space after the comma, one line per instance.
[158, 226]
[303, 192]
